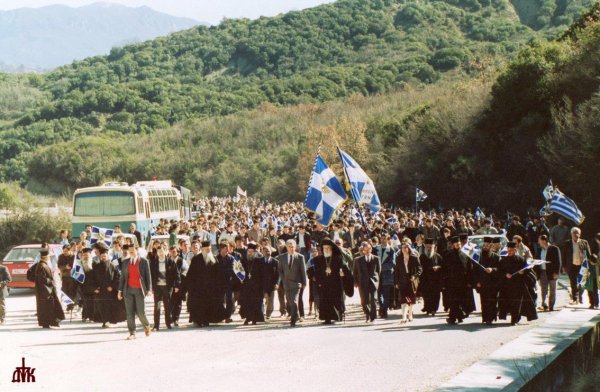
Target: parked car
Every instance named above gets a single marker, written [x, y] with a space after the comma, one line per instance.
[21, 257]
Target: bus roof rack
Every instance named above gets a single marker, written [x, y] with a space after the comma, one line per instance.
[115, 183]
[155, 184]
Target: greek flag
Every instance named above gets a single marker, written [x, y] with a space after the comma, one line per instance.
[392, 220]
[325, 192]
[238, 268]
[101, 235]
[420, 195]
[77, 272]
[533, 262]
[583, 273]
[479, 214]
[362, 188]
[64, 298]
[472, 251]
[566, 207]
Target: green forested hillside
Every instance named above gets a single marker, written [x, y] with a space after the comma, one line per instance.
[465, 134]
[321, 54]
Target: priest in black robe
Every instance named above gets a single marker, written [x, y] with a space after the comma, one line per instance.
[86, 289]
[105, 280]
[456, 282]
[253, 286]
[431, 278]
[329, 273]
[205, 283]
[517, 296]
[488, 282]
[49, 308]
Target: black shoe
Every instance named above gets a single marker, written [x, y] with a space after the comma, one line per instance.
[254, 323]
[246, 322]
[292, 324]
[169, 327]
[327, 322]
[451, 321]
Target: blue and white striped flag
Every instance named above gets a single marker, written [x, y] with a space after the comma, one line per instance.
[99, 234]
[583, 273]
[420, 195]
[566, 207]
[77, 272]
[362, 188]
[325, 193]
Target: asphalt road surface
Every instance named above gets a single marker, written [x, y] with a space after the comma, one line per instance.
[347, 356]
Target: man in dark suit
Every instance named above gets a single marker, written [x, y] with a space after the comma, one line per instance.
[4, 281]
[575, 251]
[166, 280]
[547, 274]
[366, 277]
[271, 276]
[133, 230]
[292, 275]
[134, 285]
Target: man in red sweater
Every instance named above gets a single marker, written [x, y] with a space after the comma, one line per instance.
[134, 285]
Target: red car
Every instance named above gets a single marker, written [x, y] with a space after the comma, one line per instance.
[20, 258]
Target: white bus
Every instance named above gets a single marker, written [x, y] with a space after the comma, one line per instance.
[143, 203]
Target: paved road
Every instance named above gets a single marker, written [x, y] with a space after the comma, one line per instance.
[350, 356]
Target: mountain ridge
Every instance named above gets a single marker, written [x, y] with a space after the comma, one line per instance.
[55, 35]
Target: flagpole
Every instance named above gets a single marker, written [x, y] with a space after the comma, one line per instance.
[416, 201]
[362, 218]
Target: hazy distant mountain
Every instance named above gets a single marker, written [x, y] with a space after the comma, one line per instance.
[47, 37]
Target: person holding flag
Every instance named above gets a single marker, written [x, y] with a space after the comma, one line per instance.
[65, 265]
[487, 279]
[575, 252]
[457, 277]
[547, 273]
[517, 296]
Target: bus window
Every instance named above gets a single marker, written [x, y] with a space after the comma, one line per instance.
[104, 204]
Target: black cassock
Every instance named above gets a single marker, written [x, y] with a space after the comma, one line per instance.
[431, 282]
[106, 306]
[49, 308]
[86, 290]
[489, 285]
[253, 289]
[456, 278]
[517, 294]
[330, 286]
[206, 289]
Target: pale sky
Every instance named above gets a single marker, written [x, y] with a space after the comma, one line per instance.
[211, 11]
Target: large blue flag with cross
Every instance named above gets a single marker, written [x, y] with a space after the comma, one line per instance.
[325, 192]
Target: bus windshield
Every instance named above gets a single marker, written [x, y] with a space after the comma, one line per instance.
[111, 203]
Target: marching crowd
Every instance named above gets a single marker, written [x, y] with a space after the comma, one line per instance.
[247, 252]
